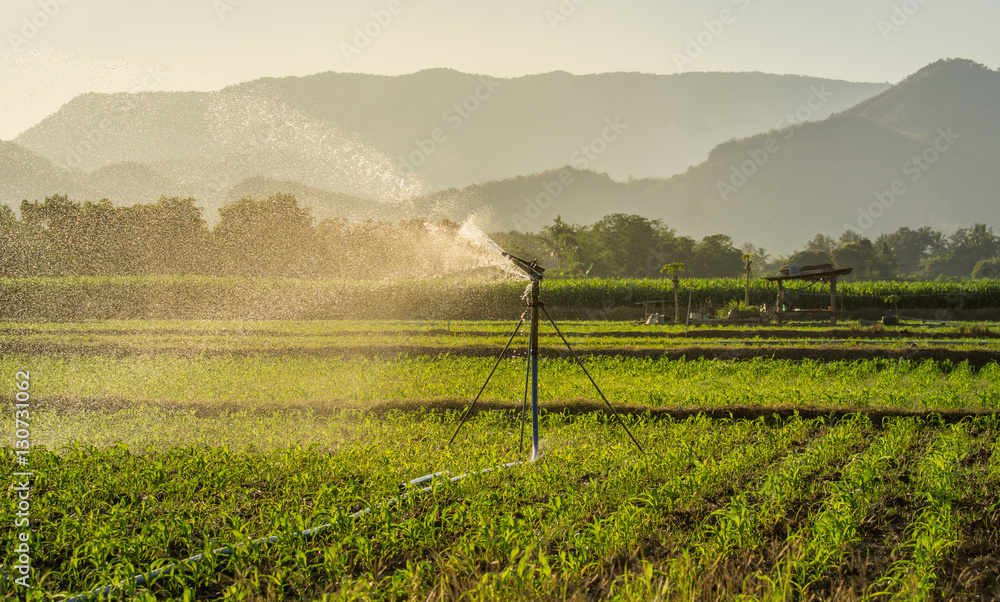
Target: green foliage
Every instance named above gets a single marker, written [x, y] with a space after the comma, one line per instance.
[203, 297]
[276, 228]
[810, 257]
[275, 237]
[580, 522]
[257, 373]
[986, 268]
[142, 458]
[60, 237]
[745, 312]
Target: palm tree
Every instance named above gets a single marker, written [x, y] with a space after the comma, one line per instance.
[747, 263]
[672, 269]
[762, 257]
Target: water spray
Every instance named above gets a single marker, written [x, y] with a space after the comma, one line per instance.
[416, 486]
[533, 312]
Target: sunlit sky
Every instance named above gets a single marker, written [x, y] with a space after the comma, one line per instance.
[127, 45]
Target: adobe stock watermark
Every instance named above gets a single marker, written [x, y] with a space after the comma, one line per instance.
[582, 159]
[900, 17]
[713, 30]
[455, 116]
[562, 12]
[740, 174]
[373, 28]
[914, 168]
[21, 488]
[87, 143]
[224, 8]
[551, 190]
[33, 24]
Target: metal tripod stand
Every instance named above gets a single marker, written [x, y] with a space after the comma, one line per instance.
[533, 311]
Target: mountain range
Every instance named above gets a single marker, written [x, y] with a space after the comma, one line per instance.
[773, 159]
[387, 137]
[923, 152]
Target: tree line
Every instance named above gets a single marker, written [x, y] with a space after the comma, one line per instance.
[909, 254]
[275, 237]
[633, 246]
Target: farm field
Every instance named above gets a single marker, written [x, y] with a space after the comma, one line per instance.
[794, 477]
[77, 298]
[430, 337]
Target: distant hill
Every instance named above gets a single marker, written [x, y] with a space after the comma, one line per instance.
[528, 203]
[362, 134]
[817, 178]
[323, 203]
[959, 94]
[128, 183]
[934, 135]
[26, 175]
[934, 138]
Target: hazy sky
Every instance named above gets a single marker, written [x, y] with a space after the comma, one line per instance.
[56, 49]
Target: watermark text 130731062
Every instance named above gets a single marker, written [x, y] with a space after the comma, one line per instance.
[22, 480]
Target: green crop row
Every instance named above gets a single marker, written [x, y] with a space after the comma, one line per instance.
[740, 525]
[934, 531]
[196, 297]
[592, 518]
[323, 384]
[822, 543]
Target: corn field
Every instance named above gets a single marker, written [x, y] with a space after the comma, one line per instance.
[196, 297]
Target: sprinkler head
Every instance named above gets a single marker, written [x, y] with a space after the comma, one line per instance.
[531, 268]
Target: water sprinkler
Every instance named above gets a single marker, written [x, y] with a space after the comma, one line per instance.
[531, 268]
[534, 272]
[533, 311]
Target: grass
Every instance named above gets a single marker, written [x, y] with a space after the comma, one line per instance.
[154, 450]
[322, 383]
[201, 297]
[123, 338]
[590, 519]
[934, 530]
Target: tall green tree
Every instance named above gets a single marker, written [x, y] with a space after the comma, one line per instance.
[174, 238]
[270, 237]
[910, 248]
[12, 248]
[51, 230]
[627, 245]
[859, 255]
[821, 242]
[716, 257]
[562, 241]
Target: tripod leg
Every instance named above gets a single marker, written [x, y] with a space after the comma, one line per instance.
[524, 403]
[468, 410]
[599, 392]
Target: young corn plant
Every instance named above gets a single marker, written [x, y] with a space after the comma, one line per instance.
[739, 526]
[821, 544]
[934, 530]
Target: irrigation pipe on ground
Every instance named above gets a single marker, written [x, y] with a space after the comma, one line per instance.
[148, 577]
